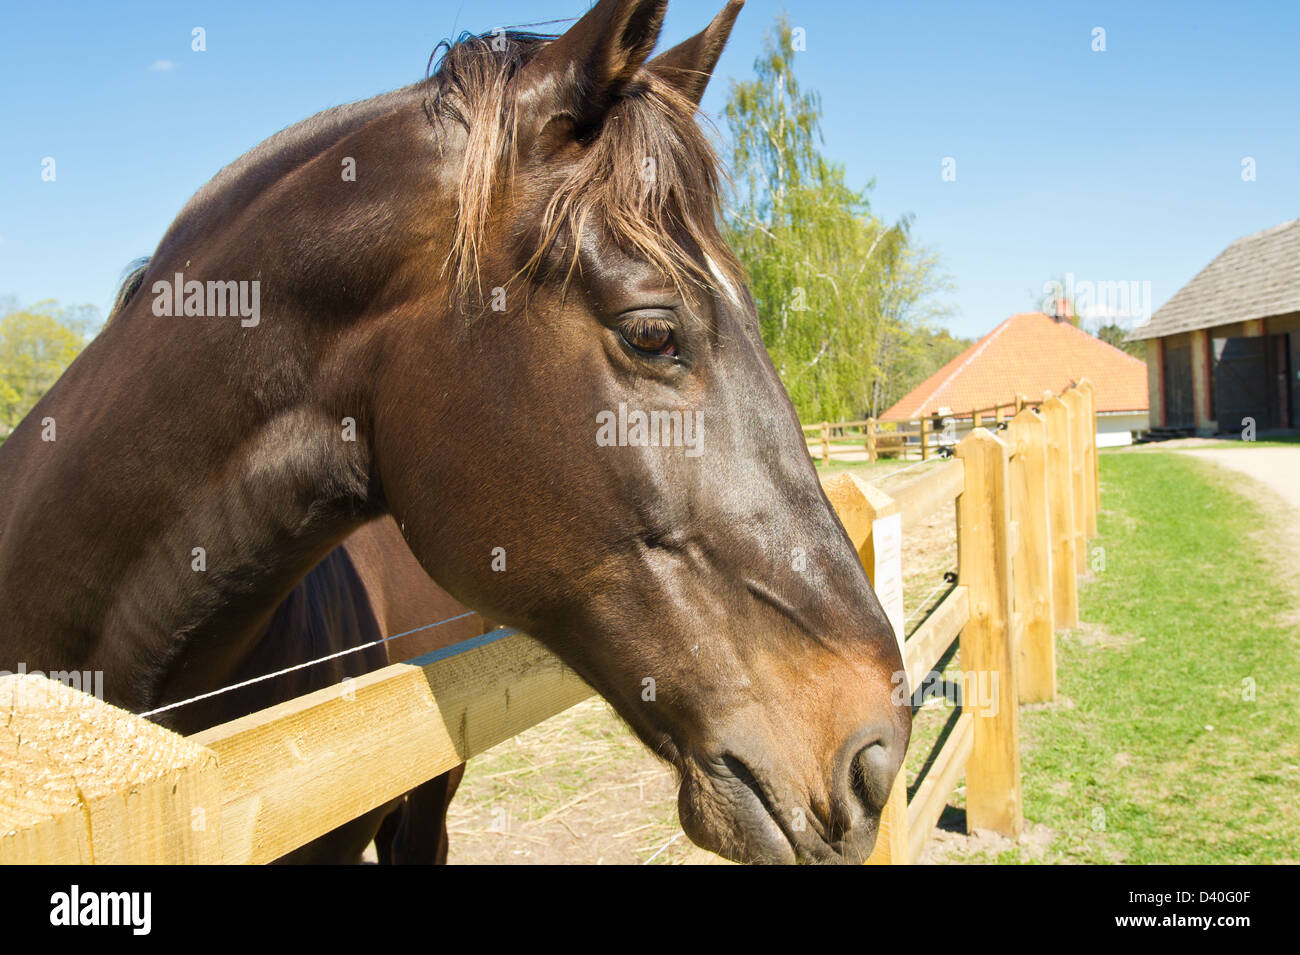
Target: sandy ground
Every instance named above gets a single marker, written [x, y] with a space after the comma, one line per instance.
[1276, 468]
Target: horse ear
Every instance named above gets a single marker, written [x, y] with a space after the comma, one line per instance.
[581, 73]
[689, 65]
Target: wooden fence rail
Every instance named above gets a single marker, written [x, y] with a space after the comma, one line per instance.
[82, 781]
[848, 439]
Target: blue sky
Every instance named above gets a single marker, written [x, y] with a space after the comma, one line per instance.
[1123, 165]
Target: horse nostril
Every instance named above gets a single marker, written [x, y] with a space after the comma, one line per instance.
[872, 776]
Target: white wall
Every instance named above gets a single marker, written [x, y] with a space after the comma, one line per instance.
[1115, 428]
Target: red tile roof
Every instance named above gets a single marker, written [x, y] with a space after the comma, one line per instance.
[1028, 354]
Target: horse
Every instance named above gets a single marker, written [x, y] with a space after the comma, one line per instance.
[463, 306]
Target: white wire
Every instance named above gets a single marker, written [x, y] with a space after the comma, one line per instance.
[332, 656]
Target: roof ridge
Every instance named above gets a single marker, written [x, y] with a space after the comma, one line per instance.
[970, 354]
[1100, 341]
[1280, 227]
[1254, 276]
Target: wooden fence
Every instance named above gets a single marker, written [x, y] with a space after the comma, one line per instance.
[82, 781]
[1026, 504]
[880, 439]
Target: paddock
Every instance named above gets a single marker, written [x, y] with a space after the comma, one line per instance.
[85, 782]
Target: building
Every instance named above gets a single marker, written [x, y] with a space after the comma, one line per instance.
[1027, 356]
[1224, 351]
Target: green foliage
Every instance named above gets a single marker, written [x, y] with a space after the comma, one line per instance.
[1114, 334]
[36, 344]
[844, 299]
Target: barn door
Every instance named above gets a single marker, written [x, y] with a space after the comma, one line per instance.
[1293, 378]
[1243, 387]
[1179, 410]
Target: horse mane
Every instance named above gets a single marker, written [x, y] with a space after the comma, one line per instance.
[648, 174]
[132, 278]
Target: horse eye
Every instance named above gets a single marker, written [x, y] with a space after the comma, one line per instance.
[651, 335]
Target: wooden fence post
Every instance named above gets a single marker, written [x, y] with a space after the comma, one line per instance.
[1032, 562]
[1087, 435]
[826, 442]
[988, 656]
[874, 525]
[94, 783]
[1065, 586]
[871, 439]
[999, 415]
[1090, 392]
[925, 438]
[1078, 485]
[977, 419]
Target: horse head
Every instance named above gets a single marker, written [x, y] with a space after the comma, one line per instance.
[588, 440]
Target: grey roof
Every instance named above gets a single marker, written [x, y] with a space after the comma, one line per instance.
[1255, 277]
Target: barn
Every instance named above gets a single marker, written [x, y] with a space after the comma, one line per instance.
[1223, 353]
[1027, 356]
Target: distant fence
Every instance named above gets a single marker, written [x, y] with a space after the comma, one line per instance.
[888, 439]
[82, 781]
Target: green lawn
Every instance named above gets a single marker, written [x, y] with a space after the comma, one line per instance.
[1156, 752]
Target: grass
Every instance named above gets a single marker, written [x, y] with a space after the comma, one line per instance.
[1157, 751]
[869, 470]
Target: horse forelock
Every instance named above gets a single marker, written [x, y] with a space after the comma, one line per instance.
[648, 176]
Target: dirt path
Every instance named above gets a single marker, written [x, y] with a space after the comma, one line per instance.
[1276, 468]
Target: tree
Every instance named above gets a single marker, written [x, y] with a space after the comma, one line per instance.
[36, 345]
[1115, 334]
[843, 298]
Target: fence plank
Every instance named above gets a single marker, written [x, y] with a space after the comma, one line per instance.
[935, 635]
[82, 781]
[871, 519]
[1078, 485]
[297, 770]
[1094, 499]
[1065, 597]
[918, 499]
[1032, 561]
[993, 798]
[932, 795]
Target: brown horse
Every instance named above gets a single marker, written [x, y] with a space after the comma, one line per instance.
[468, 304]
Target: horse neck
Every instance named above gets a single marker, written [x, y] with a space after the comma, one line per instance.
[175, 434]
[197, 471]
